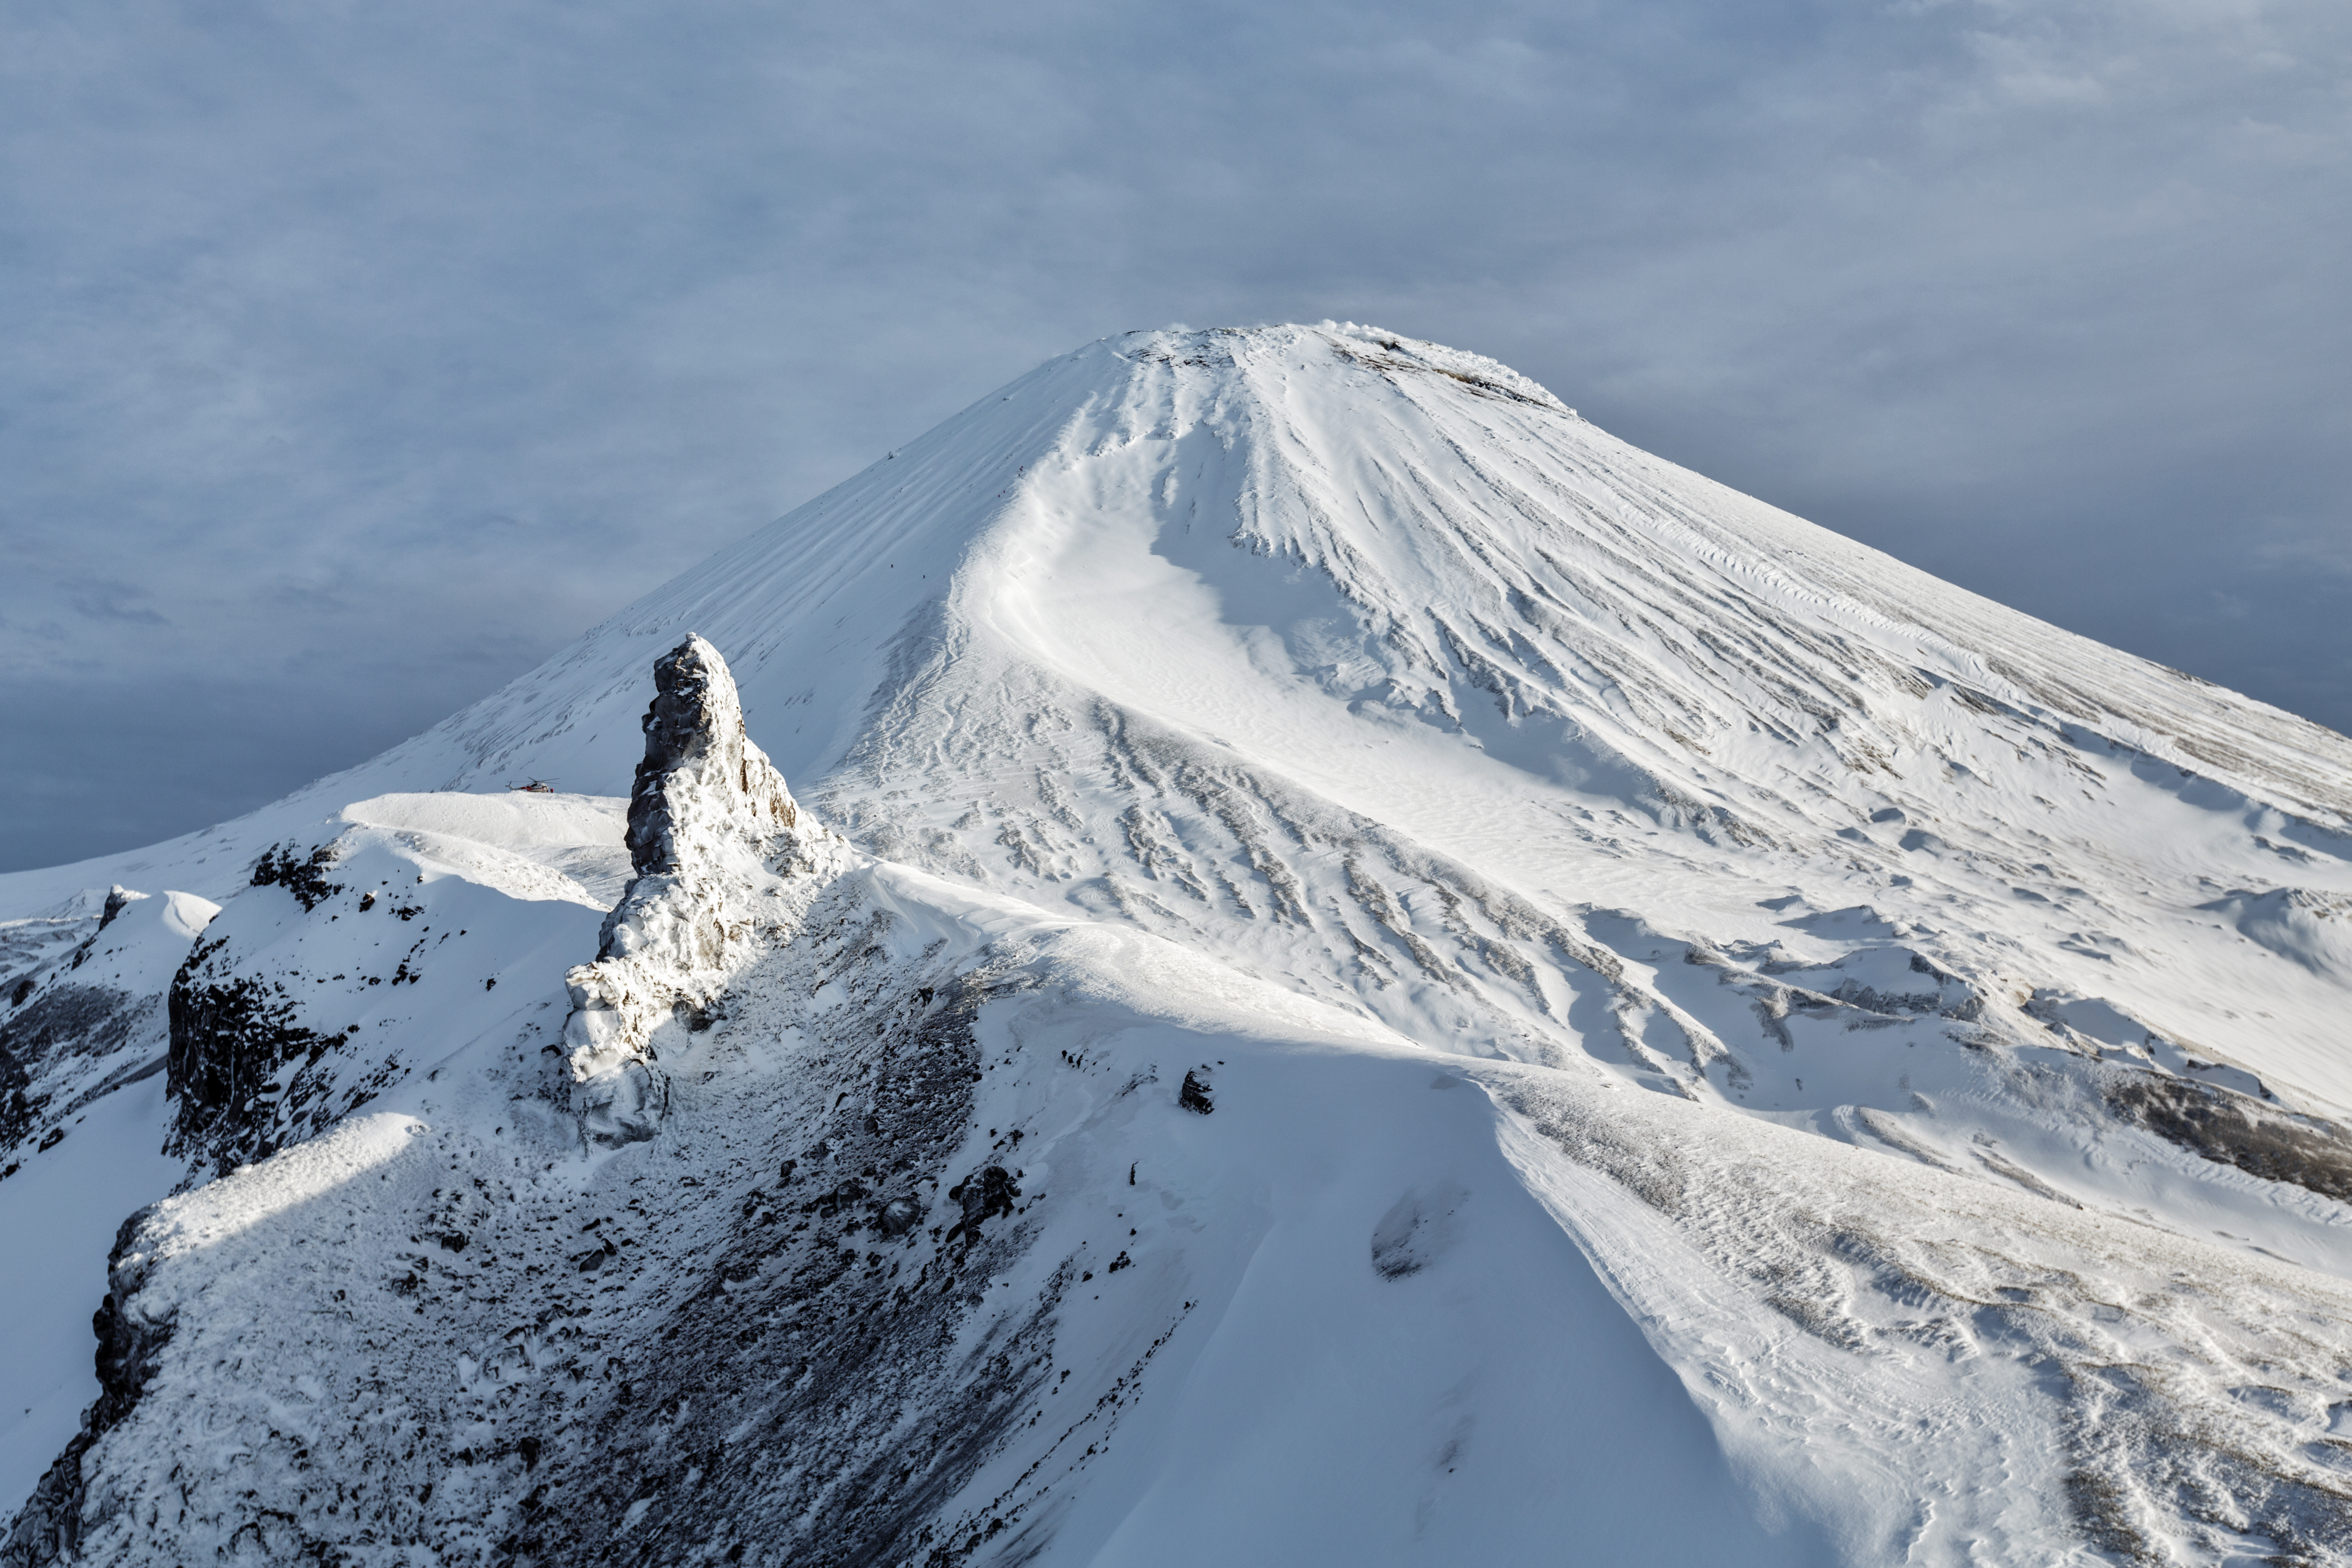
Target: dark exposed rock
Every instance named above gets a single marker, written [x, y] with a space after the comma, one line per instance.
[821, 1414]
[2233, 1129]
[827, 1205]
[1194, 1095]
[230, 1037]
[305, 878]
[48, 1527]
[695, 718]
[18, 1109]
[88, 1020]
[63, 1021]
[983, 1196]
[676, 726]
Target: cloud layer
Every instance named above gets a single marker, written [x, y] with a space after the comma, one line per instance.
[358, 356]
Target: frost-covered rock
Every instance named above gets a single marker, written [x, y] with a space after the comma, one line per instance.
[713, 836]
[91, 1020]
[49, 1528]
[350, 965]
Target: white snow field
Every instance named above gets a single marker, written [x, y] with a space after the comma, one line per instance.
[1342, 969]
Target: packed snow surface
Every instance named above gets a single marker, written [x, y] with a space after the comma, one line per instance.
[1352, 971]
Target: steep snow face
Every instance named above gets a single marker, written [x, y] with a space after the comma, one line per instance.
[1373, 668]
[1489, 889]
[1246, 632]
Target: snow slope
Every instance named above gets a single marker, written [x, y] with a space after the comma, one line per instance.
[1630, 1019]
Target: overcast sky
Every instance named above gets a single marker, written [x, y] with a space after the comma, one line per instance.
[356, 357]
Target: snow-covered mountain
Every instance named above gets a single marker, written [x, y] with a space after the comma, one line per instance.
[1264, 945]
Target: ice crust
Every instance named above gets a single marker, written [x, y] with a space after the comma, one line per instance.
[1715, 1046]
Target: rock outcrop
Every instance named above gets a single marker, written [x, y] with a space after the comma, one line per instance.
[232, 1038]
[92, 1019]
[713, 834]
[49, 1527]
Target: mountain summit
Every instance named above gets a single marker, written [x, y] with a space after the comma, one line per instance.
[1350, 970]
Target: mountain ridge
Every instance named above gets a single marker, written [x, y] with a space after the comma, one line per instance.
[471, 749]
[1881, 996]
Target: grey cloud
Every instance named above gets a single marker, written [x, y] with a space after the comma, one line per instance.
[107, 601]
[382, 349]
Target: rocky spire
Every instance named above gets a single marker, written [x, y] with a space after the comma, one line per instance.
[712, 830]
[698, 755]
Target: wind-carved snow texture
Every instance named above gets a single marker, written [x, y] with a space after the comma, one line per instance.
[712, 825]
[1403, 983]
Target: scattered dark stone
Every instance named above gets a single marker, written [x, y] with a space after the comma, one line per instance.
[19, 1109]
[1121, 1261]
[813, 1352]
[305, 878]
[454, 1241]
[23, 988]
[2104, 1511]
[897, 1216]
[2232, 1129]
[984, 1197]
[1194, 1095]
[843, 1196]
[76, 1020]
[51, 1138]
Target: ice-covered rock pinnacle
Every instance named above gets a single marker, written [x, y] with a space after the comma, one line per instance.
[701, 776]
[712, 831]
